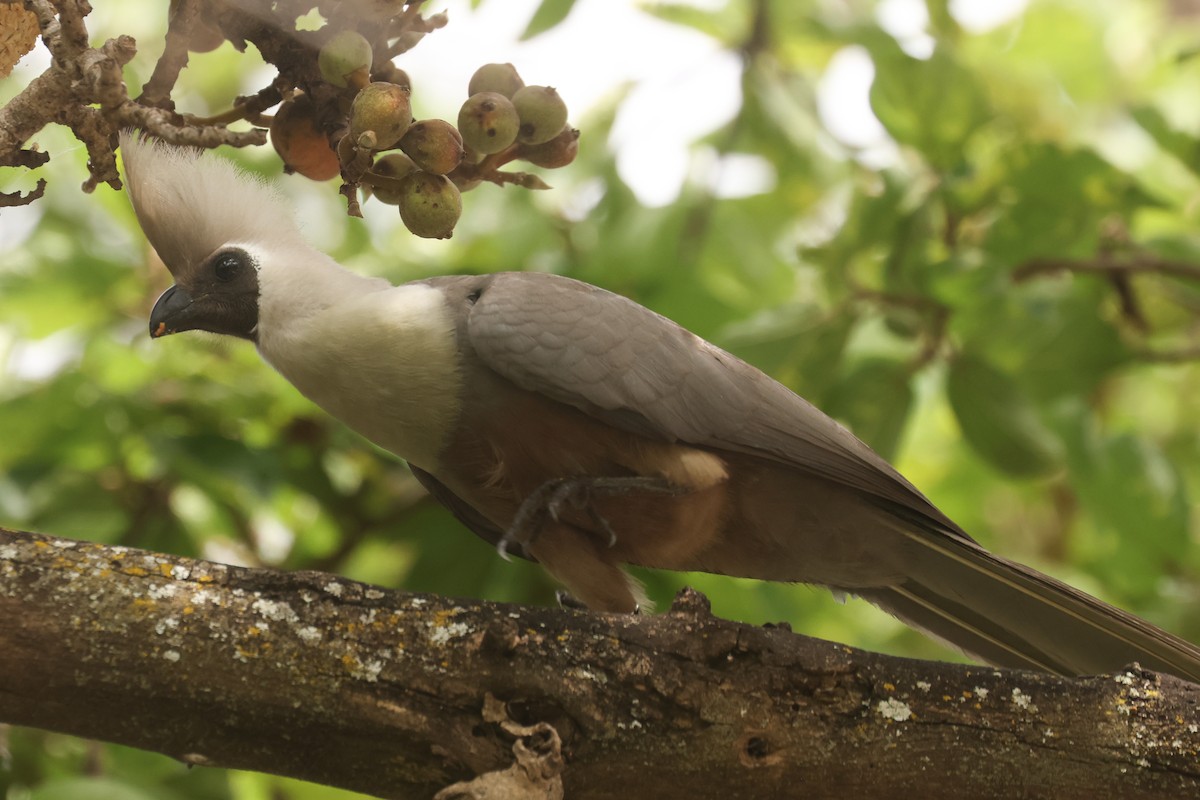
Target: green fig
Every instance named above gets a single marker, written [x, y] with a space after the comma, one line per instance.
[558, 152]
[345, 60]
[542, 112]
[396, 167]
[488, 122]
[382, 109]
[434, 145]
[499, 78]
[430, 205]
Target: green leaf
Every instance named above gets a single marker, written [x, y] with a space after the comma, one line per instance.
[999, 421]
[1052, 338]
[1057, 200]
[874, 400]
[933, 105]
[941, 20]
[91, 788]
[726, 24]
[1066, 40]
[1137, 501]
[548, 14]
[1068, 347]
[800, 346]
[1183, 146]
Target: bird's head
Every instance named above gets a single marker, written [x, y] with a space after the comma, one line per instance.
[215, 227]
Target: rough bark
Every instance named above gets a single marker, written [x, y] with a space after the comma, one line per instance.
[399, 695]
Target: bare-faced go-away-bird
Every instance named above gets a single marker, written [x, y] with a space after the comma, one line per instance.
[575, 427]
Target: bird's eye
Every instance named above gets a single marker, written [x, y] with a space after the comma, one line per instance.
[227, 265]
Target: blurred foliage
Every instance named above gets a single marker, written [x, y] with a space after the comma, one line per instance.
[908, 285]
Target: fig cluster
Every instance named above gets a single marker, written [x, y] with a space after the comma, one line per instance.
[501, 112]
[367, 134]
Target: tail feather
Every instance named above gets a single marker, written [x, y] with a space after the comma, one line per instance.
[960, 629]
[1011, 615]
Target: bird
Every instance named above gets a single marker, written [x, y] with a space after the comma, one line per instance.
[572, 426]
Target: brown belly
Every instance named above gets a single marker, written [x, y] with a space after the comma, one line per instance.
[528, 440]
[736, 514]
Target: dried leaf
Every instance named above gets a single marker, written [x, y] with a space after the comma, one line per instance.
[18, 35]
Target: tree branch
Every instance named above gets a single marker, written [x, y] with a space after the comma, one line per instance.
[1177, 355]
[84, 89]
[1107, 265]
[313, 676]
[181, 18]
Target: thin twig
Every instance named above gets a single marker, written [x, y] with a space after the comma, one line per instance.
[12, 199]
[916, 302]
[936, 315]
[526, 180]
[157, 90]
[1141, 263]
[1173, 356]
[247, 108]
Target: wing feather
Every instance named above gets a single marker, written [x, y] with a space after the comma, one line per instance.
[633, 368]
[463, 511]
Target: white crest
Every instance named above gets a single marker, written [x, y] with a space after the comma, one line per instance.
[191, 203]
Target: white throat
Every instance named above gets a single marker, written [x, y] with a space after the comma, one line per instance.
[383, 359]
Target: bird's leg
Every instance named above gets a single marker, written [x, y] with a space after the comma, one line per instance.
[587, 569]
[549, 499]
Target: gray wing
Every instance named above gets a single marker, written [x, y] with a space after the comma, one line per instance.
[638, 370]
[624, 364]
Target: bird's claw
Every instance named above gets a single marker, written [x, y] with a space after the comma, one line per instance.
[549, 499]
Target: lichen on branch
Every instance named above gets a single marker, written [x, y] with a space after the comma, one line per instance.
[394, 694]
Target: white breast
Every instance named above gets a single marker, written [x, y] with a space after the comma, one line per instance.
[384, 362]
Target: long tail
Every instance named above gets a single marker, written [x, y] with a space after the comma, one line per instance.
[1009, 615]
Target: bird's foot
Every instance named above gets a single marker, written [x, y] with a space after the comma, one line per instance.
[553, 496]
[571, 602]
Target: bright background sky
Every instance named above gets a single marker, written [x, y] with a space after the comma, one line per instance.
[685, 86]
